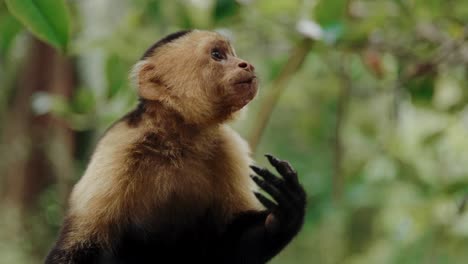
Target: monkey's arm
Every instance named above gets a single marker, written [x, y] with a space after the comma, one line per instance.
[262, 235]
[69, 251]
[79, 255]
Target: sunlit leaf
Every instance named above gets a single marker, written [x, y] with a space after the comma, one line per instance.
[47, 19]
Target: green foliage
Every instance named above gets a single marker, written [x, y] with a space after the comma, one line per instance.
[422, 89]
[47, 19]
[225, 9]
[116, 73]
[331, 12]
[9, 28]
[83, 102]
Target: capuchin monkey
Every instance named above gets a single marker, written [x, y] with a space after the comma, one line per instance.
[170, 182]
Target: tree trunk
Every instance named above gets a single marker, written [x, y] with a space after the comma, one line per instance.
[28, 136]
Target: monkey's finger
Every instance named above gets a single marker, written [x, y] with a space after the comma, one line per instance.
[265, 201]
[268, 176]
[284, 168]
[273, 191]
[296, 193]
[291, 191]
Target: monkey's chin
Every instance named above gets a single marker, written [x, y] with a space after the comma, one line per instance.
[247, 89]
[244, 100]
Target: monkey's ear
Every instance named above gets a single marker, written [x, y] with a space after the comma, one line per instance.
[149, 85]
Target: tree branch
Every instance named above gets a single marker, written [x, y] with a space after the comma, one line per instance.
[342, 105]
[293, 64]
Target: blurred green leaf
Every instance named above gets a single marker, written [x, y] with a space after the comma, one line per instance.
[9, 28]
[422, 89]
[432, 138]
[275, 65]
[116, 72]
[330, 12]
[47, 19]
[153, 8]
[278, 8]
[225, 9]
[184, 19]
[83, 102]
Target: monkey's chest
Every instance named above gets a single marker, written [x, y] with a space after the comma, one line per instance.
[212, 186]
[178, 196]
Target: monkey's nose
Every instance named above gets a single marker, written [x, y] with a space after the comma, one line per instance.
[246, 66]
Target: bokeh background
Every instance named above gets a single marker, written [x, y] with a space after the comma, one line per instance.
[366, 98]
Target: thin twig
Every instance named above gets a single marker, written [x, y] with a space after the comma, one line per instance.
[293, 64]
[342, 106]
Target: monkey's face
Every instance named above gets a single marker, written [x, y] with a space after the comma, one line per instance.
[200, 76]
[233, 82]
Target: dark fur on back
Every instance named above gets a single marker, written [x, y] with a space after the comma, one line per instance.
[134, 117]
[164, 41]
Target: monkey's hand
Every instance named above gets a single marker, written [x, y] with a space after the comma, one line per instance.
[286, 212]
[258, 236]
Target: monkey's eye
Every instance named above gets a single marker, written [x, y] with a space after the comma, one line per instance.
[217, 55]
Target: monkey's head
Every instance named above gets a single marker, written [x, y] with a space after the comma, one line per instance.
[197, 74]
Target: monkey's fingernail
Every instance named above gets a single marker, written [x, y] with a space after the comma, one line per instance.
[271, 158]
[257, 170]
[255, 178]
[259, 195]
